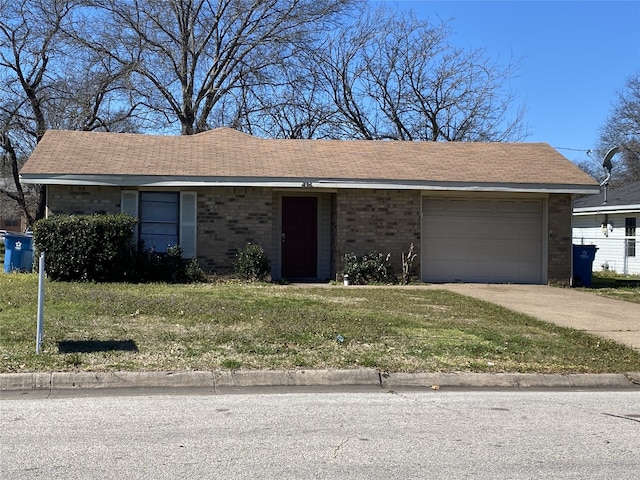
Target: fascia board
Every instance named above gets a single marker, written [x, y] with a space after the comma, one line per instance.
[607, 209]
[193, 182]
[155, 181]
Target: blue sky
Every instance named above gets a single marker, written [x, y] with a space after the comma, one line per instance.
[574, 57]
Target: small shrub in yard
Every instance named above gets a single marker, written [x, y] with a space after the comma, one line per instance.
[407, 264]
[374, 267]
[193, 273]
[252, 263]
[163, 267]
[167, 267]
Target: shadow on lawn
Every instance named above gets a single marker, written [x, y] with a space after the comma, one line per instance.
[611, 282]
[92, 346]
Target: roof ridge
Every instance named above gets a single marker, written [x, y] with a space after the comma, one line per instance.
[218, 131]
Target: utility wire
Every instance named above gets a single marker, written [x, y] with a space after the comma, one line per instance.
[586, 150]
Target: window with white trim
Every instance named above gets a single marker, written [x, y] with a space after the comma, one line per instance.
[165, 219]
[159, 217]
[630, 236]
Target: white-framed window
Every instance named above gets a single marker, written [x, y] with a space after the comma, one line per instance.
[166, 218]
[159, 220]
[630, 236]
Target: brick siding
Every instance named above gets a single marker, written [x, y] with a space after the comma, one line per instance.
[228, 219]
[82, 200]
[385, 221]
[560, 249]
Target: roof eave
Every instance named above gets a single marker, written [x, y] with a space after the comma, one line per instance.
[634, 208]
[295, 182]
[462, 186]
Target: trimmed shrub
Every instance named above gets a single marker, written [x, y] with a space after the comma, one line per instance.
[99, 248]
[373, 267]
[86, 248]
[252, 263]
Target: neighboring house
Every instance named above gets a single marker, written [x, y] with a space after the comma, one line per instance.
[11, 217]
[612, 227]
[476, 212]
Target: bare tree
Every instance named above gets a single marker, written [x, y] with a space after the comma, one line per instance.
[295, 106]
[622, 129]
[192, 55]
[26, 44]
[49, 82]
[392, 76]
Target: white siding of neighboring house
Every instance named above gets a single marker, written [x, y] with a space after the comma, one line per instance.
[587, 230]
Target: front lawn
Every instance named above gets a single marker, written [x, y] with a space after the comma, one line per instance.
[109, 327]
[613, 285]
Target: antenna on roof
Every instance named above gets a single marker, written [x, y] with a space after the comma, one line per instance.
[607, 165]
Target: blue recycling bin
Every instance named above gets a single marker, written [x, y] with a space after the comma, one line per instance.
[583, 256]
[18, 252]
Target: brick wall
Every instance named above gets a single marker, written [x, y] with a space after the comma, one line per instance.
[560, 249]
[385, 221]
[82, 200]
[228, 219]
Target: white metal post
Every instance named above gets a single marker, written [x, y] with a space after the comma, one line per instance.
[40, 326]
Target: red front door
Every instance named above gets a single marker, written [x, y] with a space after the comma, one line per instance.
[299, 237]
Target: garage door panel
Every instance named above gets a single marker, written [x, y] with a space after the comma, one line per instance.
[506, 206]
[485, 228]
[486, 272]
[482, 240]
[459, 272]
[534, 207]
[482, 206]
[494, 252]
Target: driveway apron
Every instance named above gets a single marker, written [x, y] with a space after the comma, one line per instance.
[613, 319]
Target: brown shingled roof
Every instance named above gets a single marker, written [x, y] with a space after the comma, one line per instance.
[226, 153]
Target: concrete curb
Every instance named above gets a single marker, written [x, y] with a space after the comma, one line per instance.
[292, 378]
[513, 380]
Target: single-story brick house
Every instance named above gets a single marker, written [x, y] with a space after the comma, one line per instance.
[612, 227]
[475, 212]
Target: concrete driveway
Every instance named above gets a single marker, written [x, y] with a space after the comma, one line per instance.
[613, 319]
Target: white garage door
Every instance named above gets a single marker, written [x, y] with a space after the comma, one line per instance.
[492, 240]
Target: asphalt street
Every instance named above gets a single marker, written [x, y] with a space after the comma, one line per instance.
[282, 434]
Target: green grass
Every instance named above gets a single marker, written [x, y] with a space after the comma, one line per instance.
[110, 327]
[614, 285]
